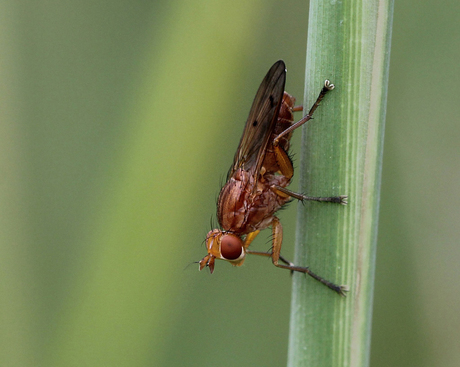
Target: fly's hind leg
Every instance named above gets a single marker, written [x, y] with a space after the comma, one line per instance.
[282, 158]
[328, 86]
[284, 162]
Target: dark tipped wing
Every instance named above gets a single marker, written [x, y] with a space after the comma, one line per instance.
[261, 121]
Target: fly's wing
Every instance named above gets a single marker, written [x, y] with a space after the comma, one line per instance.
[261, 122]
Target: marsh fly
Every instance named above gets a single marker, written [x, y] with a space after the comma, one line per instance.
[257, 180]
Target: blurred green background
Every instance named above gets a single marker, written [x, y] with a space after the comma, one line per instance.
[119, 121]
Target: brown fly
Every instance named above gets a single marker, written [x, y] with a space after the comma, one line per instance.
[257, 180]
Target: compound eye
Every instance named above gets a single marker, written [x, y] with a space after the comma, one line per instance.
[231, 247]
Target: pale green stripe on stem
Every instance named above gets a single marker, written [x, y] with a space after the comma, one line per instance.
[348, 43]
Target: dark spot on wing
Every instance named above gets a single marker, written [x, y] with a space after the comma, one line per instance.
[255, 123]
[272, 102]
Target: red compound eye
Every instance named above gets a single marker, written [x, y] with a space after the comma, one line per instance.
[231, 247]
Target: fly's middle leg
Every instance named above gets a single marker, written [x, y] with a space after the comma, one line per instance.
[283, 192]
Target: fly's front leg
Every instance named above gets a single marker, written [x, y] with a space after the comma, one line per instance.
[249, 238]
[277, 241]
[276, 248]
[328, 86]
[269, 254]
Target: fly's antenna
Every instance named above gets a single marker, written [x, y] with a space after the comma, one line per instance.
[188, 265]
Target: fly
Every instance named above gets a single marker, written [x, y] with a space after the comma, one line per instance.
[257, 180]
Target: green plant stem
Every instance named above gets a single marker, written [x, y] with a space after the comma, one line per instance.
[348, 43]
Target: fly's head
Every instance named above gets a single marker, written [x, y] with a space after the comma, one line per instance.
[223, 245]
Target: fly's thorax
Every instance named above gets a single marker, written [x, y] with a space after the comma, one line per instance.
[225, 246]
[234, 199]
[265, 203]
[242, 210]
